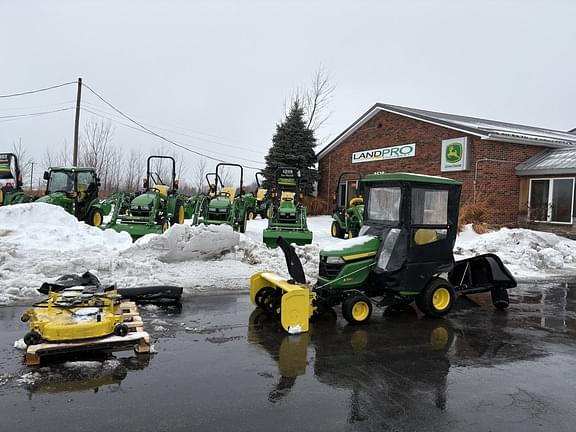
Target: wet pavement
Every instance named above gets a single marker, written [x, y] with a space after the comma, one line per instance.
[220, 365]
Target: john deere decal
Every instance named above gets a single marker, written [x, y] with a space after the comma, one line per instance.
[455, 154]
[396, 152]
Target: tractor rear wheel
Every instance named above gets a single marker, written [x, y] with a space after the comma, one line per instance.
[336, 231]
[437, 298]
[357, 309]
[95, 217]
[178, 215]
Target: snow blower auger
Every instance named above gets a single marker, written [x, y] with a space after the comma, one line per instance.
[286, 214]
[349, 212]
[403, 254]
[76, 313]
[153, 210]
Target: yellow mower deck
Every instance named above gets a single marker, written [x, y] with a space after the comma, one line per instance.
[295, 308]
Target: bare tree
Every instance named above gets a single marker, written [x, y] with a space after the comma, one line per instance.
[315, 99]
[24, 159]
[134, 171]
[96, 151]
[199, 174]
[57, 157]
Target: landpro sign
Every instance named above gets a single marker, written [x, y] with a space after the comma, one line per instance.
[455, 154]
[396, 152]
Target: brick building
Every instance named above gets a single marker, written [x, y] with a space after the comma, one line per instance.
[488, 157]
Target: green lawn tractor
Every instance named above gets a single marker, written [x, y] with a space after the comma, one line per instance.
[75, 189]
[224, 206]
[262, 198]
[196, 206]
[348, 218]
[153, 210]
[403, 254]
[11, 181]
[286, 214]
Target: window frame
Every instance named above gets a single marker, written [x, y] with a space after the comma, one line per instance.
[551, 181]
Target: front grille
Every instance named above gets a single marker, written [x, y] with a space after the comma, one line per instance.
[329, 271]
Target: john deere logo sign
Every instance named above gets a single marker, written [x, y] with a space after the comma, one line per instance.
[455, 154]
[396, 152]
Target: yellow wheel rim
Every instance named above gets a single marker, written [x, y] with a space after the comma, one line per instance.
[360, 311]
[1, 196]
[441, 299]
[350, 235]
[181, 215]
[333, 230]
[250, 215]
[439, 338]
[96, 219]
[165, 227]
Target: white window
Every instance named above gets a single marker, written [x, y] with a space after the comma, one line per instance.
[551, 200]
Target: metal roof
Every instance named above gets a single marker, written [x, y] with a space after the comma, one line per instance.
[549, 162]
[485, 129]
[407, 177]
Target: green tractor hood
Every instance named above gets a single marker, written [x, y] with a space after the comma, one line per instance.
[219, 202]
[352, 249]
[57, 198]
[144, 201]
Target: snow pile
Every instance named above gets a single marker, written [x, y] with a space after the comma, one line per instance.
[185, 242]
[525, 252]
[42, 226]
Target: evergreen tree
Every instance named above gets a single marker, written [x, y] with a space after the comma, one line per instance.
[293, 145]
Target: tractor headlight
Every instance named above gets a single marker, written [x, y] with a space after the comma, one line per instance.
[211, 209]
[334, 260]
[387, 248]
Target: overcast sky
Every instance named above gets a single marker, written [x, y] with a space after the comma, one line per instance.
[220, 71]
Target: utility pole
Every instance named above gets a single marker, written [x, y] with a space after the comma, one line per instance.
[77, 123]
[31, 176]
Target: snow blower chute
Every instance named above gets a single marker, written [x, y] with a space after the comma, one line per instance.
[403, 254]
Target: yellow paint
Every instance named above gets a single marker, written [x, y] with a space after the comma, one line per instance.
[181, 215]
[360, 311]
[97, 219]
[358, 256]
[441, 299]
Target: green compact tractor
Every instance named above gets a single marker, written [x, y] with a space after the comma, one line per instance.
[403, 254]
[262, 197]
[348, 218]
[153, 210]
[75, 189]
[197, 205]
[224, 207]
[11, 181]
[287, 215]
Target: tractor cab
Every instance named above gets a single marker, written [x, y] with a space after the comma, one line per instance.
[348, 214]
[262, 196]
[76, 190]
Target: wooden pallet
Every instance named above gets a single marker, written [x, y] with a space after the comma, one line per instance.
[137, 339]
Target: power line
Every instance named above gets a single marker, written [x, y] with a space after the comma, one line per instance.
[157, 135]
[66, 103]
[36, 114]
[148, 133]
[114, 119]
[37, 90]
[98, 108]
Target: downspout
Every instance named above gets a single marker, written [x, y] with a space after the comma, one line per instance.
[476, 171]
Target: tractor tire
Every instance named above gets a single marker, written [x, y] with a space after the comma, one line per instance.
[336, 231]
[357, 309]
[251, 215]
[94, 217]
[165, 226]
[179, 215]
[242, 225]
[500, 298]
[32, 338]
[437, 298]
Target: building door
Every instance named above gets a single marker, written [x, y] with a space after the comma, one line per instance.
[346, 191]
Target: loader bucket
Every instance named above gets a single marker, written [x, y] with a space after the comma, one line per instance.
[300, 237]
[291, 303]
[139, 230]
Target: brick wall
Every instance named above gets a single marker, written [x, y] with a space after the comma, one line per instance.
[496, 182]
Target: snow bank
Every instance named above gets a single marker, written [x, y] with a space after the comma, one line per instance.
[527, 253]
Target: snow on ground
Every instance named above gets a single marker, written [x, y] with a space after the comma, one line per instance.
[39, 242]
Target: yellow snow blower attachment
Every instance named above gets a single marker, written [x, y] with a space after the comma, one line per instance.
[289, 300]
[75, 314]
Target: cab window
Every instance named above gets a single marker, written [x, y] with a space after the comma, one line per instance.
[384, 204]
